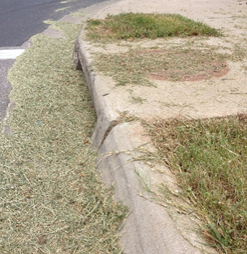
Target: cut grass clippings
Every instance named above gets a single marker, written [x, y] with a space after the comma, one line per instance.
[209, 158]
[51, 198]
[139, 25]
[139, 66]
[136, 67]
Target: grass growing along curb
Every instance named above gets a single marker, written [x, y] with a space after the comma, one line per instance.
[140, 25]
[51, 198]
[209, 158]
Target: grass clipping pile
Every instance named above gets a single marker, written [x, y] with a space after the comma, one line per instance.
[51, 199]
[141, 67]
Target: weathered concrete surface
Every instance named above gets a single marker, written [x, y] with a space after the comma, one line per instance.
[106, 115]
[149, 228]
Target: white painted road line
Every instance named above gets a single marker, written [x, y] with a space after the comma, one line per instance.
[10, 53]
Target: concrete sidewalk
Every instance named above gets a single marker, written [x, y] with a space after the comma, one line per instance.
[149, 228]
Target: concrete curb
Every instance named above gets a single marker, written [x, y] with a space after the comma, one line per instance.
[149, 227]
[106, 118]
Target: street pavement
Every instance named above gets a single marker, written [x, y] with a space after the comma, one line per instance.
[19, 21]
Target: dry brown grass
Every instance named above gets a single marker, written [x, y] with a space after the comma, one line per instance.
[173, 64]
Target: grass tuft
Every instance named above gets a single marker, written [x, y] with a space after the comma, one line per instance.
[139, 25]
[209, 158]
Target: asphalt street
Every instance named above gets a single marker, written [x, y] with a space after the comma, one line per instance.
[20, 20]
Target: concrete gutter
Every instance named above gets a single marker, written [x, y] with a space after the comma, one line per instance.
[149, 227]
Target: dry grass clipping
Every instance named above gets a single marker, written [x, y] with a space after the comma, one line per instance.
[140, 67]
[51, 199]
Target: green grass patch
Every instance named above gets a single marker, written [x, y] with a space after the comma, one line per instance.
[51, 198]
[139, 25]
[209, 158]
